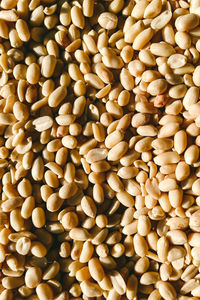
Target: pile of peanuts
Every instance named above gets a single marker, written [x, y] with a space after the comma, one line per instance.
[99, 149]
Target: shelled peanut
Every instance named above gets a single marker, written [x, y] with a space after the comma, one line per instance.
[99, 150]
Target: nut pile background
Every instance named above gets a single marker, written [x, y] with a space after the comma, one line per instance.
[99, 150]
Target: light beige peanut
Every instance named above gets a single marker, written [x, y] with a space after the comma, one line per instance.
[132, 187]
[157, 87]
[127, 172]
[161, 21]
[116, 6]
[88, 206]
[140, 245]
[88, 8]
[118, 282]
[178, 91]
[94, 81]
[77, 17]
[177, 237]
[69, 220]
[51, 271]
[117, 151]
[33, 73]
[175, 197]
[167, 185]
[153, 9]
[149, 278]
[162, 144]
[23, 245]
[96, 269]
[125, 199]
[139, 9]
[176, 253]
[33, 277]
[108, 20]
[65, 16]
[193, 239]
[162, 49]
[166, 290]
[191, 154]
[57, 96]
[168, 130]
[44, 291]
[99, 149]
[183, 40]
[112, 61]
[144, 225]
[152, 188]
[162, 247]
[167, 158]
[68, 190]
[193, 222]
[142, 265]
[126, 79]
[91, 289]
[43, 123]
[195, 290]
[130, 228]
[12, 282]
[23, 30]
[186, 22]
[133, 31]
[147, 130]
[48, 66]
[38, 249]
[79, 234]
[176, 61]
[182, 171]
[38, 217]
[142, 39]
[196, 76]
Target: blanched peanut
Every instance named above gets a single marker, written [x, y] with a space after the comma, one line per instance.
[44, 291]
[182, 171]
[157, 87]
[38, 217]
[191, 155]
[183, 40]
[91, 289]
[69, 220]
[99, 149]
[153, 9]
[142, 39]
[126, 79]
[132, 30]
[38, 249]
[196, 76]
[12, 282]
[186, 22]
[33, 73]
[95, 269]
[23, 245]
[57, 96]
[141, 247]
[108, 20]
[166, 290]
[33, 277]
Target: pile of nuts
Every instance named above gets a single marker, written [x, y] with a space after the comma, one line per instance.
[99, 149]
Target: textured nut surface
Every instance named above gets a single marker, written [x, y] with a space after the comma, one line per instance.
[99, 150]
